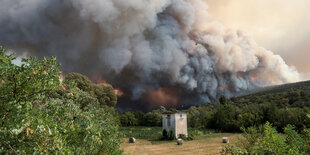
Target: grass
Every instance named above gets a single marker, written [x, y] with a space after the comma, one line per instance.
[149, 133]
[148, 142]
[155, 133]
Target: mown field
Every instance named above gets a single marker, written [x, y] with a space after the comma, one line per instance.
[149, 143]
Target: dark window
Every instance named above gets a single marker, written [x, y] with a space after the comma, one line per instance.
[168, 121]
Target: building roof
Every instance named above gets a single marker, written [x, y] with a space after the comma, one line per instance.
[171, 113]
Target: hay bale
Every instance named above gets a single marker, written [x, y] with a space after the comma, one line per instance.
[225, 140]
[132, 140]
[180, 141]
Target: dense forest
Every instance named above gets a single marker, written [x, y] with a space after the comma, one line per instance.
[279, 105]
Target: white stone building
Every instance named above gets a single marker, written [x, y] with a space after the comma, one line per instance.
[176, 122]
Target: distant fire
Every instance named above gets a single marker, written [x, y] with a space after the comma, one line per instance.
[253, 79]
[97, 78]
[164, 97]
[227, 87]
[118, 92]
[222, 88]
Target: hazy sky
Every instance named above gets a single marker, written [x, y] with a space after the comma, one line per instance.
[282, 26]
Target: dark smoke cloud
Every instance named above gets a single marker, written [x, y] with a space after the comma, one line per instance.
[147, 48]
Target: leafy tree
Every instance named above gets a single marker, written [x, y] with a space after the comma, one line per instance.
[251, 137]
[152, 119]
[270, 142]
[103, 92]
[139, 115]
[297, 145]
[128, 119]
[80, 80]
[32, 80]
[223, 99]
[39, 115]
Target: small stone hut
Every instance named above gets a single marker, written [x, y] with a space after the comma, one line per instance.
[176, 122]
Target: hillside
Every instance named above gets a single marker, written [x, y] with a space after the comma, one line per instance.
[292, 95]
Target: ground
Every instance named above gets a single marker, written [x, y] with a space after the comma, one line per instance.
[208, 143]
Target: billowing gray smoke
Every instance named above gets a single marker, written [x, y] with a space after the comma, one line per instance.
[156, 51]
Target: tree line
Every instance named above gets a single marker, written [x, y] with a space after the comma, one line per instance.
[229, 115]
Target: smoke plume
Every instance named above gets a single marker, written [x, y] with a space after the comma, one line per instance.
[157, 52]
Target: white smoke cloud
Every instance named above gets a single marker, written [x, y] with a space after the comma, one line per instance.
[283, 26]
[142, 45]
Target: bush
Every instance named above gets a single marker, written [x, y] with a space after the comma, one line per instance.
[231, 150]
[271, 142]
[39, 115]
[252, 136]
[165, 134]
[171, 135]
[103, 92]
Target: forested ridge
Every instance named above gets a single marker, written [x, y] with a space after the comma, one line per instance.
[279, 105]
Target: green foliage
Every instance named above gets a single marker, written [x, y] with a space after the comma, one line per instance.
[251, 137]
[184, 137]
[142, 132]
[165, 134]
[271, 142]
[231, 150]
[226, 118]
[39, 115]
[223, 99]
[153, 119]
[139, 118]
[198, 117]
[103, 92]
[171, 135]
[297, 145]
[32, 80]
[57, 127]
[156, 133]
[128, 119]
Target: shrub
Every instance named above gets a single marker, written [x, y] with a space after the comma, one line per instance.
[171, 135]
[189, 137]
[39, 118]
[231, 150]
[272, 142]
[251, 135]
[165, 134]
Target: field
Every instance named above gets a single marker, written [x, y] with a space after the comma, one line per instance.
[148, 142]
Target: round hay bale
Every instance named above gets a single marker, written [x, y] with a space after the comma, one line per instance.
[225, 140]
[180, 141]
[132, 140]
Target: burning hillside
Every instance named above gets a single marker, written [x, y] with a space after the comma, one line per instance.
[166, 52]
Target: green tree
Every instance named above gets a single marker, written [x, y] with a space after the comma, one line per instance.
[152, 119]
[103, 92]
[223, 99]
[128, 119]
[40, 116]
[165, 134]
[32, 80]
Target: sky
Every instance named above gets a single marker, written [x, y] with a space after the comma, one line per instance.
[282, 26]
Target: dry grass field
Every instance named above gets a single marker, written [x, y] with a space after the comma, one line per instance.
[202, 145]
